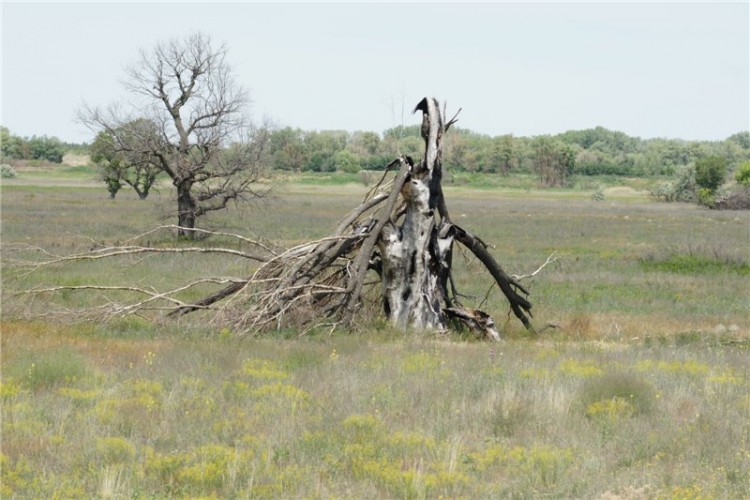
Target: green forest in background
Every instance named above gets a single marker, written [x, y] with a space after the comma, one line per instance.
[594, 151]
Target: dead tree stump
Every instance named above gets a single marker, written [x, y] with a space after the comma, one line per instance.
[404, 232]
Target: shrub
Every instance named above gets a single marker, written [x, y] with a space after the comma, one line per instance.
[374, 162]
[346, 161]
[7, 172]
[48, 368]
[610, 409]
[627, 387]
[367, 178]
[742, 174]
[46, 148]
[710, 172]
[738, 199]
[663, 191]
[682, 188]
[114, 450]
[706, 197]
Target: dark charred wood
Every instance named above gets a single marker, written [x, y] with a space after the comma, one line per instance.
[518, 304]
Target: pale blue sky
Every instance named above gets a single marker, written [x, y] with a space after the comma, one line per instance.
[678, 70]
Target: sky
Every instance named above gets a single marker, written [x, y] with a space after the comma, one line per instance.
[672, 70]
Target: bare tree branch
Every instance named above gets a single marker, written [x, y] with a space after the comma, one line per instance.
[552, 259]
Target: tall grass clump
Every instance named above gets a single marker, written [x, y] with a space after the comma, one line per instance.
[615, 392]
[7, 172]
[48, 368]
[694, 264]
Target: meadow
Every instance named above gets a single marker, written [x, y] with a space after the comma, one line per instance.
[640, 389]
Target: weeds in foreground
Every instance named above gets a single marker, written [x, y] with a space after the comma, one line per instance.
[347, 416]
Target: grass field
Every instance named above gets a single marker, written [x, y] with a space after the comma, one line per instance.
[641, 391]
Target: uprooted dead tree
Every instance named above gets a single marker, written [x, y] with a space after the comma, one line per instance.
[402, 232]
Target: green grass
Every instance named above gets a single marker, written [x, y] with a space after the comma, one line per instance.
[694, 264]
[87, 170]
[640, 391]
[39, 370]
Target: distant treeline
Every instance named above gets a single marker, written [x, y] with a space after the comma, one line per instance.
[595, 151]
[44, 148]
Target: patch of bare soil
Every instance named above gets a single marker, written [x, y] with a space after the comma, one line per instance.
[621, 191]
[73, 160]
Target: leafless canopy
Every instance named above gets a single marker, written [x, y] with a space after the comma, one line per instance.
[198, 133]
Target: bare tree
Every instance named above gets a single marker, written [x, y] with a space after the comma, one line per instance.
[198, 136]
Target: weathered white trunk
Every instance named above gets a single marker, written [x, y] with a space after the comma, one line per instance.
[414, 253]
[411, 293]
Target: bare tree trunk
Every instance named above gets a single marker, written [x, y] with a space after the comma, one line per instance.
[416, 256]
[414, 253]
[186, 210]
